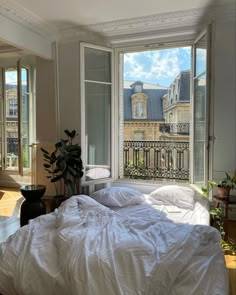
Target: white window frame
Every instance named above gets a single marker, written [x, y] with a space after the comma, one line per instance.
[209, 112]
[91, 183]
[118, 148]
[117, 104]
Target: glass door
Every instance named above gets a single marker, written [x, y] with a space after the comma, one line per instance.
[15, 101]
[23, 122]
[11, 117]
[96, 100]
[201, 97]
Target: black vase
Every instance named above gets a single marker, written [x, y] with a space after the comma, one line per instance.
[32, 205]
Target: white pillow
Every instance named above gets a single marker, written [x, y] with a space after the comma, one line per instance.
[182, 197]
[118, 196]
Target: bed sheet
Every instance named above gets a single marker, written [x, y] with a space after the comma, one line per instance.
[199, 214]
[86, 248]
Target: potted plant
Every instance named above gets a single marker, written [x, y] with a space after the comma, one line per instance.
[223, 186]
[64, 166]
[218, 221]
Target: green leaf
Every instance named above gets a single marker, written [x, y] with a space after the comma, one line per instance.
[44, 151]
[55, 179]
[47, 165]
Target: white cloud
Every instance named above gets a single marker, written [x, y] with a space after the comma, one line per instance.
[156, 66]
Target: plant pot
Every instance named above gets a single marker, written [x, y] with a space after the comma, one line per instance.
[223, 191]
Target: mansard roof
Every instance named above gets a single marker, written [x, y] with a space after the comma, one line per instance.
[184, 92]
[154, 101]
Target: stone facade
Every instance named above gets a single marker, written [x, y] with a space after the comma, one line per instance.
[173, 110]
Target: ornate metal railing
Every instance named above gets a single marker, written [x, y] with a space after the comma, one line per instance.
[175, 128]
[156, 159]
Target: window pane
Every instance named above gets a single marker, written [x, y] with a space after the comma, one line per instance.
[98, 138]
[97, 65]
[155, 117]
[199, 128]
[201, 56]
[11, 120]
[25, 119]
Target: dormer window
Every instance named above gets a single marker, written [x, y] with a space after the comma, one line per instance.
[139, 106]
[139, 109]
[137, 87]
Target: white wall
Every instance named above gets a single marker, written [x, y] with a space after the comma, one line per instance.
[224, 94]
[46, 117]
[69, 87]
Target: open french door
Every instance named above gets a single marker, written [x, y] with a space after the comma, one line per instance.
[201, 108]
[24, 156]
[96, 113]
[16, 118]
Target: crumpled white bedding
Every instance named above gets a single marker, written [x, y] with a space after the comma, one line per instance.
[86, 248]
[198, 215]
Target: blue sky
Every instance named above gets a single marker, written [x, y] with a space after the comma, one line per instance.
[157, 66]
[11, 76]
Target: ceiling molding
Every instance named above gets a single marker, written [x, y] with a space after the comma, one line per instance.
[157, 38]
[149, 24]
[26, 18]
[163, 24]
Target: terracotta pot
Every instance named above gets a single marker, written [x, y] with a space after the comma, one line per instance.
[223, 191]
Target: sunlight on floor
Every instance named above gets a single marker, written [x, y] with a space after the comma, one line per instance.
[10, 203]
[231, 265]
[9, 208]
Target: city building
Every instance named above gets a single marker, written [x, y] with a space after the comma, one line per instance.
[143, 110]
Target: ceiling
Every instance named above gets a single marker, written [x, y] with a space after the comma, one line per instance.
[114, 19]
[81, 12]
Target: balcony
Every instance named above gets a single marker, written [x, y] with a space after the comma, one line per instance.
[175, 128]
[156, 160]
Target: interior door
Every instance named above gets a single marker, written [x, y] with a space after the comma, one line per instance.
[201, 110]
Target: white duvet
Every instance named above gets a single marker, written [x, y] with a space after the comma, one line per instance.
[85, 248]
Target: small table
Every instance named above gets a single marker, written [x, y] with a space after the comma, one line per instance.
[32, 205]
[226, 201]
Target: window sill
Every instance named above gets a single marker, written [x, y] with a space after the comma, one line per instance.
[146, 186]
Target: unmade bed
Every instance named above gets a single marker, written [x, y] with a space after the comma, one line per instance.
[115, 242]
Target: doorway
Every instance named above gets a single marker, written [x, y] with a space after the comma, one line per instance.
[16, 121]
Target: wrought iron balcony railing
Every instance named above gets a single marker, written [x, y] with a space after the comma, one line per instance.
[175, 128]
[156, 159]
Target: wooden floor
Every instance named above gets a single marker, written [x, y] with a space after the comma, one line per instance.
[230, 257]
[11, 200]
